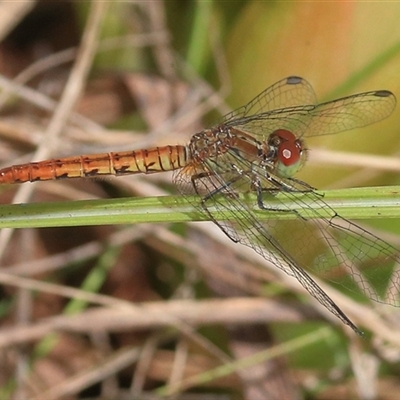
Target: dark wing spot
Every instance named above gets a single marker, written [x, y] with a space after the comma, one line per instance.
[383, 93]
[294, 80]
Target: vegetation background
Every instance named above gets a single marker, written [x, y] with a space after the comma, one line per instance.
[162, 310]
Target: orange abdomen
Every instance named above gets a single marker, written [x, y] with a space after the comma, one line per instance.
[158, 159]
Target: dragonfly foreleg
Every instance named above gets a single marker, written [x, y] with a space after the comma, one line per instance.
[260, 200]
[260, 190]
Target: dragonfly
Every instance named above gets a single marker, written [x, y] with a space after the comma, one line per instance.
[259, 148]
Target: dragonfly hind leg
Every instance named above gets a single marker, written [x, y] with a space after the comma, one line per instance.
[209, 196]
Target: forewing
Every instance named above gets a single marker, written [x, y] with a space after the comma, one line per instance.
[289, 92]
[323, 119]
[350, 112]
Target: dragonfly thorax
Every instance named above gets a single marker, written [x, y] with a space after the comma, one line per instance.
[211, 143]
[290, 153]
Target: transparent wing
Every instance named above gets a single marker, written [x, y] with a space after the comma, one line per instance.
[350, 112]
[323, 119]
[289, 92]
[327, 244]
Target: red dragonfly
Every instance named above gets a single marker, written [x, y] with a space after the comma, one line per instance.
[259, 147]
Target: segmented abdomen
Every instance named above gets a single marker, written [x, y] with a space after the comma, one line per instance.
[158, 159]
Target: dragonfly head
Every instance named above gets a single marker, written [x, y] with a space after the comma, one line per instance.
[290, 153]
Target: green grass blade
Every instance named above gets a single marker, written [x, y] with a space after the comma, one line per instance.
[359, 203]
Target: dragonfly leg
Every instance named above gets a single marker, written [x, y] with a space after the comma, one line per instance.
[260, 201]
[209, 196]
[307, 187]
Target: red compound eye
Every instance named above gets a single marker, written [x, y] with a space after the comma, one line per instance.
[289, 148]
[289, 152]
